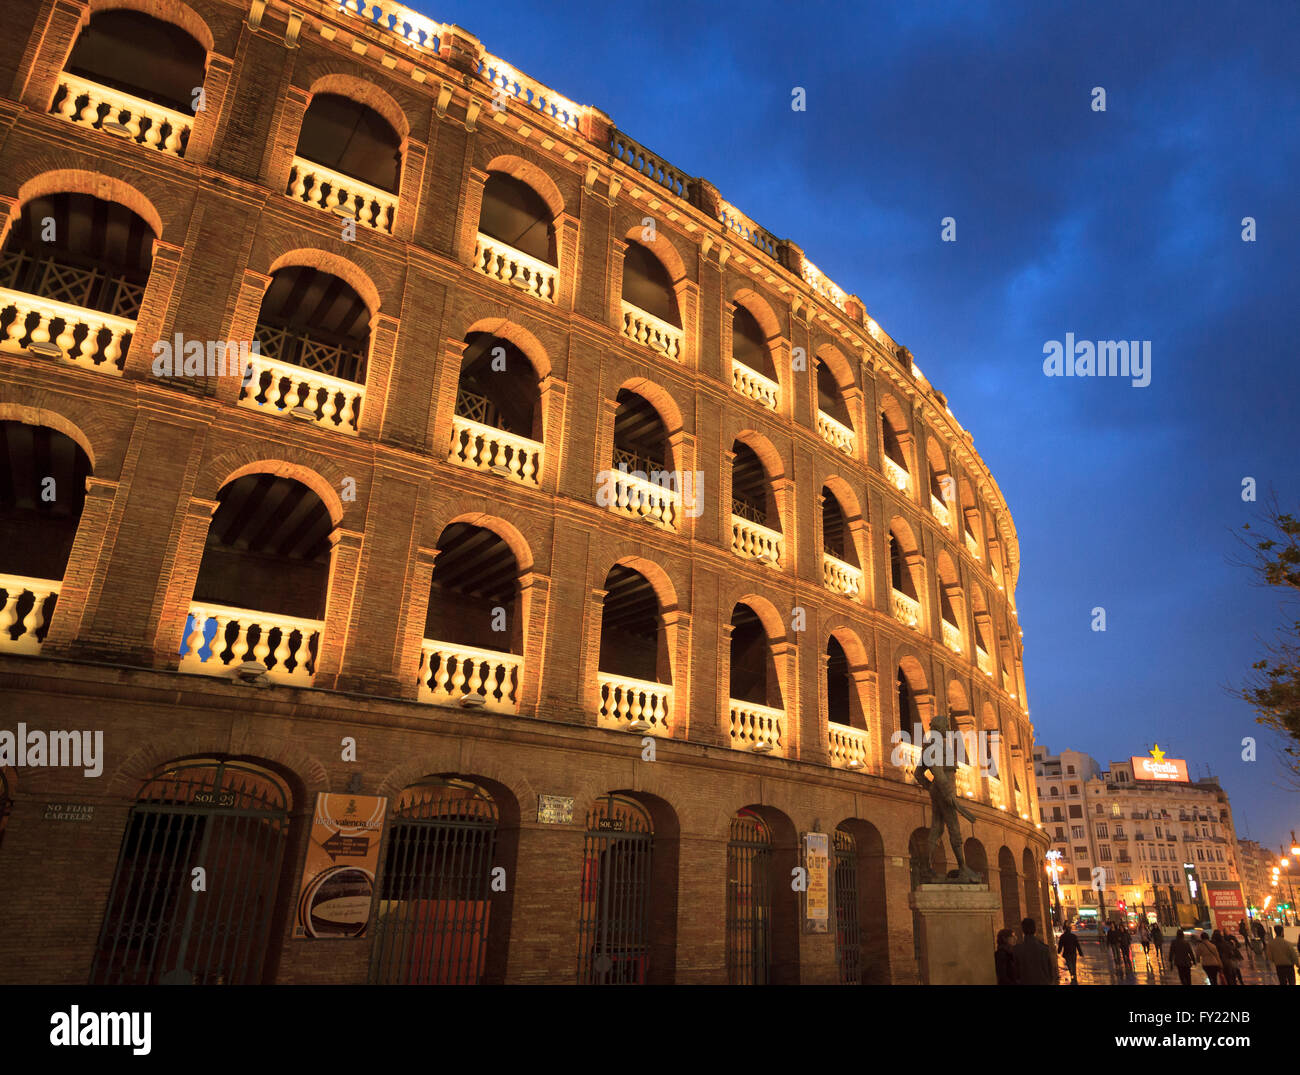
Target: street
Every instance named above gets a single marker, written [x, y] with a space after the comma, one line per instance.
[1096, 968]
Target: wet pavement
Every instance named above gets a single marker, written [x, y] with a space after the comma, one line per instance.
[1097, 968]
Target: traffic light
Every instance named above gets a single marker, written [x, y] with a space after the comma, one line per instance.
[1122, 908]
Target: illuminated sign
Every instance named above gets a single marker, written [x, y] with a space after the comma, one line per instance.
[1158, 767]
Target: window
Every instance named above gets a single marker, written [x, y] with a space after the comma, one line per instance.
[1085, 878]
[1060, 833]
[1103, 852]
[1070, 771]
[1081, 852]
[1115, 810]
[1103, 830]
[1101, 810]
[1125, 878]
[1055, 792]
[1200, 856]
[1159, 834]
[1076, 811]
[1076, 831]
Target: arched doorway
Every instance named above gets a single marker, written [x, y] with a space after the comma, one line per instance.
[227, 818]
[1010, 895]
[613, 922]
[749, 900]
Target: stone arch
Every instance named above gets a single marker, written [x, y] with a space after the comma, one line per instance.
[773, 624]
[849, 502]
[841, 369]
[847, 636]
[368, 94]
[660, 581]
[346, 270]
[892, 409]
[533, 175]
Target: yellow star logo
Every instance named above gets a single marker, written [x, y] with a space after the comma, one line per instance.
[1157, 753]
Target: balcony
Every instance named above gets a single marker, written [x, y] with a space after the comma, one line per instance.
[452, 674]
[753, 385]
[638, 498]
[86, 338]
[336, 193]
[37, 597]
[983, 661]
[756, 728]
[648, 330]
[897, 476]
[501, 261]
[834, 433]
[841, 578]
[282, 388]
[486, 448]
[909, 757]
[848, 747]
[940, 511]
[286, 645]
[907, 610]
[634, 705]
[753, 541]
[91, 105]
[951, 636]
[997, 793]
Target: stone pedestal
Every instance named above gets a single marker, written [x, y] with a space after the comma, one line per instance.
[956, 929]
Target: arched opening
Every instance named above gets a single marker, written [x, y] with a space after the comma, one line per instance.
[833, 419]
[626, 920]
[894, 456]
[348, 161]
[473, 632]
[231, 818]
[648, 286]
[755, 520]
[259, 599]
[1010, 889]
[644, 485]
[124, 65]
[762, 911]
[497, 425]
[972, 529]
[635, 667]
[753, 373]
[74, 250]
[439, 919]
[42, 491]
[905, 577]
[976, 858]
[318, 324]
[753, 675]
[952, 603]
[1030, 870]
[940, 482]
[516, 237]
[909, 713]
[861, 913]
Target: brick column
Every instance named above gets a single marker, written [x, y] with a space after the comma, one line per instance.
[87, 562]
[722, 526]
[53, 36]
[604, 460]
[681, 448]
[248, 305]
[345, 560]
[865, 683]
[446, 385]
[785, 655]
[155, 316]
[471, 210]
[855, 404]
[552, 395]
[614, 274]
[588, 687]
[566, 253]
[535, 610]
[702, 887]
[415, 610]
[179, 591]
[384, 330]
[410, 189]
[547, 889]
[688, 309]
[783, 489]
[915, 564]
[677, 635]
[284, 138]
[216, 85]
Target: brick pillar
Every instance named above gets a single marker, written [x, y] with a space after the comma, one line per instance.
[898, 887]
[552, 393]
[690, 486]
[248, 305]
[284, 138]
[155, 310]
[677, 634]
[785, 655]
[855, 404]
[566, 253]
[688, 308]
[216, 86]
[534, 608]
[415, 610]
[702, 887]
[384, 330]
[87, 561]
[410, 189]
[860, 539]
[783, 490]
[447, 383]
[179, 591]
[588, 687]
[866, 685]
[915, 564]
[471, 210]
[721, 527]
[721, 703]
[547, 887]
[614, 270]
[345, 561]
[608, 408]
[53, 36]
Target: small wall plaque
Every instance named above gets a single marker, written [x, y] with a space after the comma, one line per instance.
[69, 812]
[555, 809]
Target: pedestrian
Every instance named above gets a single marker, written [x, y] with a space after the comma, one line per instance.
[1144, 939]
[1069, 947]
[1229, 955]
[1126, 948]
[1158, 939]
[1182, 957]
[1035, 962]
[1208, 956]
[1284, 956]
[1260, 931]
[1005, 959]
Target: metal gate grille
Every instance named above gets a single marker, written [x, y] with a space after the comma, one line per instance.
[749, 901]
[613, 931]
[848, 929]
[434, 895]
[230, 819]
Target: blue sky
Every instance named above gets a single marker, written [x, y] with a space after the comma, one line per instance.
[1117, 225]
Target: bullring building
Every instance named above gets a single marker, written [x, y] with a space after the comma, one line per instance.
[445, 542]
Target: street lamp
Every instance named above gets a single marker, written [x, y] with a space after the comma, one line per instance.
[1054, 870]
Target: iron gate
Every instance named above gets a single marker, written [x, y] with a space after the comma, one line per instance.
[230, 819]
[848, 928]
[613, 927]
[434, 900]
[749, 901]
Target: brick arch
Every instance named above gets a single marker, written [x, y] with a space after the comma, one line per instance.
[305, 773]
[846, 634]
[227, 468]
[945, 569]
[913, 671]
[39, 416]
[773, 624]
[173, 11]
[760, 308]
[366, 93]
[443, 759]
[325, 261]
[934, 455]
[506, 531]
[889, 406]
[659, 398]
[662, 249]
[844, 493]
[81, 181]
[766, 452]
[531, 174]
[655, 574]
[840, 367]
[513, 332]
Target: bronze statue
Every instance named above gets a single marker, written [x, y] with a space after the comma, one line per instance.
[944, 808]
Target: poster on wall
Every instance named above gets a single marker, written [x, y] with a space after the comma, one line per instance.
[338, 878]
[817, 896]
[1227, 907]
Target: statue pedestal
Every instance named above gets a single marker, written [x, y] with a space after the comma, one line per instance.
[957, 927]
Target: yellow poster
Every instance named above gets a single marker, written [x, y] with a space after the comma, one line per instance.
[338, 878]
[817, 899]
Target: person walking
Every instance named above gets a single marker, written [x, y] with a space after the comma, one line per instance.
[1208, 956]
[1284, 957]
[1126, 948]
[1144, 939]
[1005, 959]
[1035, 962]
[1229, 956]
[1182, 957]
[1112, 945]
[1068, 945]
[1158, 939]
